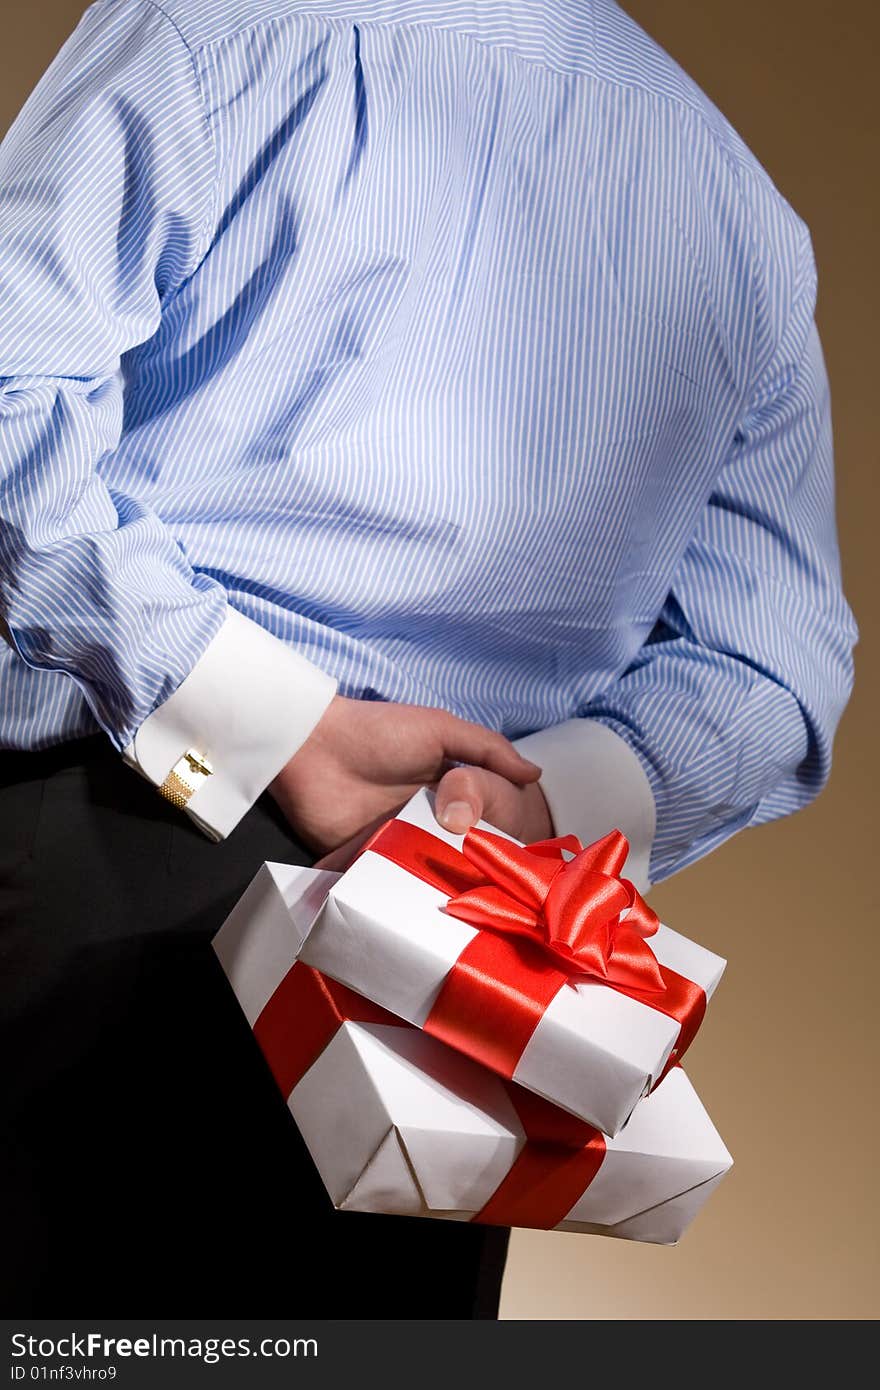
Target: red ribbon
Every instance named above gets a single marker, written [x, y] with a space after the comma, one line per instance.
[540, 919]
[301, 1017]
[555, 1166]
[558, 1161]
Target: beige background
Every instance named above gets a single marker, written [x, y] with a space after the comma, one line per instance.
[787, 1063]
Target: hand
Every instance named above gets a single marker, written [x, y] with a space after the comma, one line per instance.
[366, 758]
[468, 794]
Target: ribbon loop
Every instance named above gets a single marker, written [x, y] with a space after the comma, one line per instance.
[525, 875]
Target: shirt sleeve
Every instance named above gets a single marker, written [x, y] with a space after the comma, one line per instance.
[107, 186]
[732, 703]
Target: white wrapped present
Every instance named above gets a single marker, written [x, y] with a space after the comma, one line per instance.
[398, 1122]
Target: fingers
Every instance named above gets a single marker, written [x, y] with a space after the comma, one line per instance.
[460, 798]
[466, 742]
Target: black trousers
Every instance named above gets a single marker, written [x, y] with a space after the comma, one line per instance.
[150, 1167]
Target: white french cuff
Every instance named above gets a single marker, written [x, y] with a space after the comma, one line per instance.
[248, 704]
[592, 782]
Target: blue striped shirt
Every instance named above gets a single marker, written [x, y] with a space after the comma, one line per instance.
[465, 346]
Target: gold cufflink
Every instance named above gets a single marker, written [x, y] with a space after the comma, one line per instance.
[186, 776]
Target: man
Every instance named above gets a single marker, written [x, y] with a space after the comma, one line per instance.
[379, 383]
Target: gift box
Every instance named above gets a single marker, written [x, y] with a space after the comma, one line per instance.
[539, 962]
[398, 1122]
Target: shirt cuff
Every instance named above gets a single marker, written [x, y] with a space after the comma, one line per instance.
[245, 708]
[593, 782]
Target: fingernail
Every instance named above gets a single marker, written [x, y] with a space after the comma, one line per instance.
[458, 816]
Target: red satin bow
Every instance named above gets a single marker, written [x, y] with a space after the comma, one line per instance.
[541, 912]
[585, 918]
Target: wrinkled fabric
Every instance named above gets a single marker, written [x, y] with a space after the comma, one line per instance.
[464, 347]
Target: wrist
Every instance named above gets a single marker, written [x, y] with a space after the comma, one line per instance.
[594, 782]
[278, 786]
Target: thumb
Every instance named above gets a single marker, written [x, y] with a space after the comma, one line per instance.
[460, 798]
